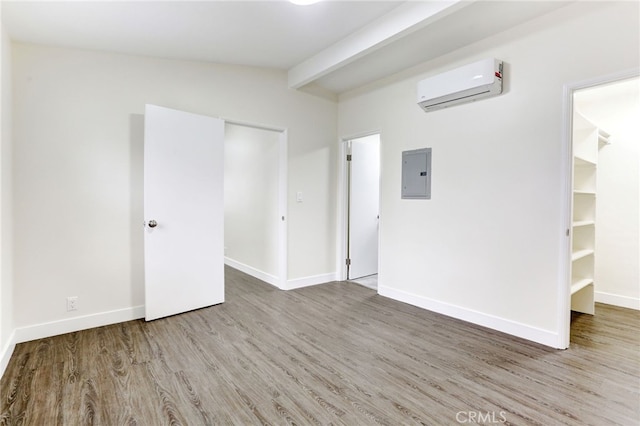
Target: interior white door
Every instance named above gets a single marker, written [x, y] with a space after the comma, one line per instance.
[184, 211]
[364, 202]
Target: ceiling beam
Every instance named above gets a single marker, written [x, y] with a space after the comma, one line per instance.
[400, 22]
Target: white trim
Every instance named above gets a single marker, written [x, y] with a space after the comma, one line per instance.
[6, 353]
[563, 307]
[564, 288]
[283, 202]
[360, 135]
[54, 328]
[538, 335]
[341, 250]
[273, 280]
[254, 272]
[255, 125]
[618, 300]
[312, 280]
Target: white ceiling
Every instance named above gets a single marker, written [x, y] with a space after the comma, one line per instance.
[338, 45]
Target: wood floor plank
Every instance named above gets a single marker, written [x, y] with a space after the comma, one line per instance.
[334, 354]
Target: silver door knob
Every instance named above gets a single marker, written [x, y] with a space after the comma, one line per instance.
[153, 224]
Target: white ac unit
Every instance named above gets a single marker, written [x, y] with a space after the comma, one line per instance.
[469, 83]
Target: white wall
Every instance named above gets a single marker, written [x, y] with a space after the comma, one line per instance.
[617, 260]
[78, 173]
[489, 246]
[251, 218]
[6, 258]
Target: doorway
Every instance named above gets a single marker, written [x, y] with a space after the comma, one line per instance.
[362, 209]
[604, 236]
[255, 201]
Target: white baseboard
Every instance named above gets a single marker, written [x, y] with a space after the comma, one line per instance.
[545, 337]
[617, 300]
[274, 281]
[53, 328]
[254, 272]
[312, 280]
[6, 353]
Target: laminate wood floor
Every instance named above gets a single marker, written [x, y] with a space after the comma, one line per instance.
[330, 354]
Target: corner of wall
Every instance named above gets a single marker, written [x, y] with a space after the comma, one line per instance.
[6, 351]
[7, 332]
[254, 272]
[311, 280]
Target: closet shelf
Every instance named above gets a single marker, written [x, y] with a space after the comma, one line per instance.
[587, 140]
[578, 223]
[603, 137]
[580, 254]
[579, 285]
[583, 162]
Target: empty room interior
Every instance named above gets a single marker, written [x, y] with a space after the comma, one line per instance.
[335, 212]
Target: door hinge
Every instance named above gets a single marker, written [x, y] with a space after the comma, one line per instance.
[348, 157]
[348, 262]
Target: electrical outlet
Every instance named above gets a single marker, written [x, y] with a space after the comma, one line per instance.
[72, 303]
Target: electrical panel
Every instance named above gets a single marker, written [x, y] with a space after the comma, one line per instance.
[416, 174]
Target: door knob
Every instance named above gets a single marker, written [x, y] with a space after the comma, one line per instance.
[153, 224]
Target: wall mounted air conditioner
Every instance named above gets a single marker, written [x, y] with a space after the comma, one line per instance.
[469, 83]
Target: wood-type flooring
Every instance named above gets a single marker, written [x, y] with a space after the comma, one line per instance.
[329, 354]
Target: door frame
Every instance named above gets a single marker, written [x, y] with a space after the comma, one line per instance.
[564, 287]
[283, 140]
[343, 202]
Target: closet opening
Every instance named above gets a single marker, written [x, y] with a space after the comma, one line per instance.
[604, 230]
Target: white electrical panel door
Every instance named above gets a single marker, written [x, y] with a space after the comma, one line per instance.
[364, 206]
[184, 214]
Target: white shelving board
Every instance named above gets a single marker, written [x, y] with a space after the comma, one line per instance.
[580, 284]
[576, 255]
[579, 223]
[587, 140]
